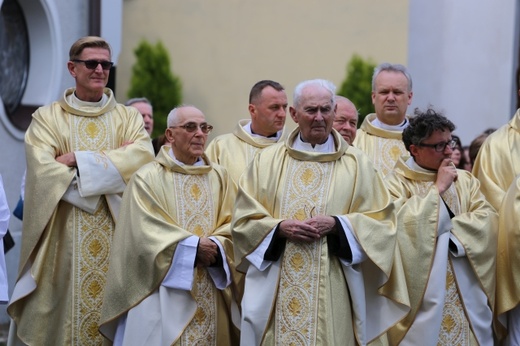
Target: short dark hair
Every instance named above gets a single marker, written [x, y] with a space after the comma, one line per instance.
[423, 124]
[256, 90]
[87, 42]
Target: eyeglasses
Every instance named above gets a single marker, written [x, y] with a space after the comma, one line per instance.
[192, 127]
[93, 64]
[440, 146]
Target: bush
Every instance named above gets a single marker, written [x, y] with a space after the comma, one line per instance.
[357, 86]
[152, 78]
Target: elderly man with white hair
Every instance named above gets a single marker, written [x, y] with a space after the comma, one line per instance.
[313, 230]
[172, 261]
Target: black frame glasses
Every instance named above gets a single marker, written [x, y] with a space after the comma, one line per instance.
[441, 146]
[192, 127]
[93, 64]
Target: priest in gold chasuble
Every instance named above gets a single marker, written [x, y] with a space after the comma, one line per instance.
[508, 259]
[81, 151]
[498, 161]
[447, 236]
[267, 106]
[313, 230]
[171, 265]
[380, 133]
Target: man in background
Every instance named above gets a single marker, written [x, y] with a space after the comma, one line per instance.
[267, 108]
[346, 119]
[380, 133]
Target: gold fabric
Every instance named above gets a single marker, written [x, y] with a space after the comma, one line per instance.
[236, 150]
[163, 204]
[384, 147]
[508, 257]
[284, 183]
[417, 201]
[67, 247]
[498, 161]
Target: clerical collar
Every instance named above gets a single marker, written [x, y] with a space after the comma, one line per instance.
[327, 147]
[76, 102]
[274, 136]
[378, 123]
[199, 162]
[413, 165]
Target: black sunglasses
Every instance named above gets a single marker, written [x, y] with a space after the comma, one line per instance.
[93, 64]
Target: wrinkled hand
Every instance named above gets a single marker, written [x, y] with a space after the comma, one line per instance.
[206, 252]
[298, 231]
[68, 159]
[446, 175]
[126, 143]
[324, 224]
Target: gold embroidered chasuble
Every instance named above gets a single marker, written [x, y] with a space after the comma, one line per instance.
[498, 161]
[383, 146]
[474, 224]
[311, 305]
[165, 203]
[508, 257]
[65, 248]
[236, 150]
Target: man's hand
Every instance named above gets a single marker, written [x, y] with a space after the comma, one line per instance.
[68, 159]
[323, 223]
[207, 252]
[298, 231]
[446, 175]
[126, 143]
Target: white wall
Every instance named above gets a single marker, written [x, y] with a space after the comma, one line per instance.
[463, 57]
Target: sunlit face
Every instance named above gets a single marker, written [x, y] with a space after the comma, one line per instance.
[146, 111]
[391, 97]
[268, 112]
[187, 146]
[346, 119]
[90, 83]
[314, 114]
[428, 157]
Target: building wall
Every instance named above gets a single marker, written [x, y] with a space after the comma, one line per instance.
[221, 48]
[463, 58]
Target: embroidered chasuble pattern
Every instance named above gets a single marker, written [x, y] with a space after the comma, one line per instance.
[305, 195]
[92, 238]
[455, 328]
[386, 153]
[195, 213]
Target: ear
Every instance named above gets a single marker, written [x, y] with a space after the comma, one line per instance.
[414, 150]
[293, 114]
[410, 95]
[72, 68]
[252, 110]
[169, 135]
[373, 97]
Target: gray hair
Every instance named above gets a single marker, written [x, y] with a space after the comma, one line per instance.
[328, 85]
[173, 117]
[386, 66]
[138, 99]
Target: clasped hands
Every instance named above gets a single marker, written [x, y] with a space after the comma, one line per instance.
[207, 252]
[308, 230]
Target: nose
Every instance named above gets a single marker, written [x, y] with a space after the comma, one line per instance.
[99, 68]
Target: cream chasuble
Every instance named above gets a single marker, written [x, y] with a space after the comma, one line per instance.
[508, 258]
[64, 256]
[166, 203]
[382, 146]
[236, 150]
[445, 259]
[303, 298]
[498, 161]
